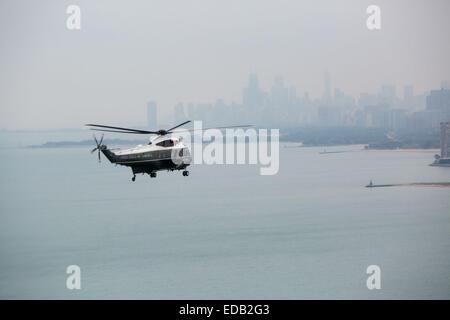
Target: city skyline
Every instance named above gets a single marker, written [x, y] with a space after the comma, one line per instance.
[282, 105]
[124, 56]
[332, 97]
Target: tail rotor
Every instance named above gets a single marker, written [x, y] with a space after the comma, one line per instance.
[98, 147]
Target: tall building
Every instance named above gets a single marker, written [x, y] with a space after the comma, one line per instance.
[438, 106]
[152, 122]
[445, 139]
[329, 116]
[292, 95]
[252, 95]
[444, 159]
[408, 96]
[279, 93]
[439, 100]
[396, 119]
[342, 100]
[366, 99]
[387, 95]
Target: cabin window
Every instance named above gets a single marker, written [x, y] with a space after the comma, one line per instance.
[165, 143]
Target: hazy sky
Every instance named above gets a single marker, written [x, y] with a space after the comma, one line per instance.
[128, 52]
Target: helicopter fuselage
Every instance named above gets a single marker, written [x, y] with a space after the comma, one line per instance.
[160, 154]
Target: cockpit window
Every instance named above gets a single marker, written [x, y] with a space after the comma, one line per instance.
[165, 143]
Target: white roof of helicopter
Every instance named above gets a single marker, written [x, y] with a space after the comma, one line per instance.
[149, 147]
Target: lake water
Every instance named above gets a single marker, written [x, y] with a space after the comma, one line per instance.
[225, 231]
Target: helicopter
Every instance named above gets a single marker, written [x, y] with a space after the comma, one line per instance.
[163, 152]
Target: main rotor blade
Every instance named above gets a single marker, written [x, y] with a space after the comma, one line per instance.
[118, 131]
[227, 127]
[178, 125]
[119, 128]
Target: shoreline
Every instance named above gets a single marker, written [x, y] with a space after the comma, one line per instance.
[285, 144]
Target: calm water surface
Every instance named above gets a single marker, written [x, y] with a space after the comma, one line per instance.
[225, 231]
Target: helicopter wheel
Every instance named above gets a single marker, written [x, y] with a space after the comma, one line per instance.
[153, 175]
[133, 178]
[185, 173]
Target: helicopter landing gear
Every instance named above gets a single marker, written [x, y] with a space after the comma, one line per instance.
[133, 178]
[185, 173]
[152, 174]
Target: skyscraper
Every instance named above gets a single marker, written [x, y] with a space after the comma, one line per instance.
[252, 95]
[439, 100]
[279, 93]
[408, 96]
[152, 122]
[445, 139]
[387, 95]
